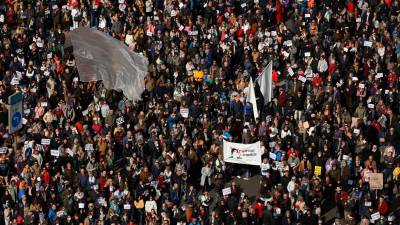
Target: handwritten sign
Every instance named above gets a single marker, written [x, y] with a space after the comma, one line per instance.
[55, 152]
[120, 120]
[89, 147]
[3, 150]
[302, 79]
[367, 44]
[272, 156]
[317, 170]
[376, 181]
[226, 191]
[45, 141]
[375, 216]
[184, 112]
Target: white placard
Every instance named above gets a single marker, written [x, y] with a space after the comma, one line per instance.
[184, 112]
[368, 203]
[307, 15]
[272, 144]
[290, 71]
[44, 104]
[292, 164]
[354, 78]
[181, 27]
[15, 81]
[302, 79]
[256, 1]
[89, 147]
[350, 182]
[307, 54]
[120, 120]
[55, 152]
[127, 206]
[345, 49]
[358, 20]
[60, 213]
[45, 141]
[356, 131]
[361, 85]
[375, 216]
[243, 5]
[226, 191]
[288, 43]
[367, 44]
[148, 33]
[371, 106]
[27, 111]
[195, 32]
[346, 157]
[272, 156]
[379, 75]
[273, 33]
[81, 205]
[3, 150]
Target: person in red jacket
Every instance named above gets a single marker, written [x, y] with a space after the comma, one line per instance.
[340, 200]
[259, 207]
[383, 207]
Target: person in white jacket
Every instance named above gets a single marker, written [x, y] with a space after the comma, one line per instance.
[150, 205]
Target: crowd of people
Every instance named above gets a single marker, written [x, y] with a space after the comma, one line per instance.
[88, 155]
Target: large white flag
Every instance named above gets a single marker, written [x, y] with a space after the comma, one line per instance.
[99, 56]
[265, 82]
[249, 154]
[251, 97]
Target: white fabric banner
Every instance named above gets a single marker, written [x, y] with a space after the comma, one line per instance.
[99, 56]
[251, 97]
[249, 154]
[265, 83]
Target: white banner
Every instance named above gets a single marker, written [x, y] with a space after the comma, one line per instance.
[249, 154]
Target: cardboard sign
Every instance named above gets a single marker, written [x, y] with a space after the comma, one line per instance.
[375, 216]
[376, 181]
[127, 206]
[89, 147]
[45, 141]
[81, 205]
[272, 156]
[317, 170]
[184, 112]
[226, 191]
[55, 153]
[120, 120]
[3, 150]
